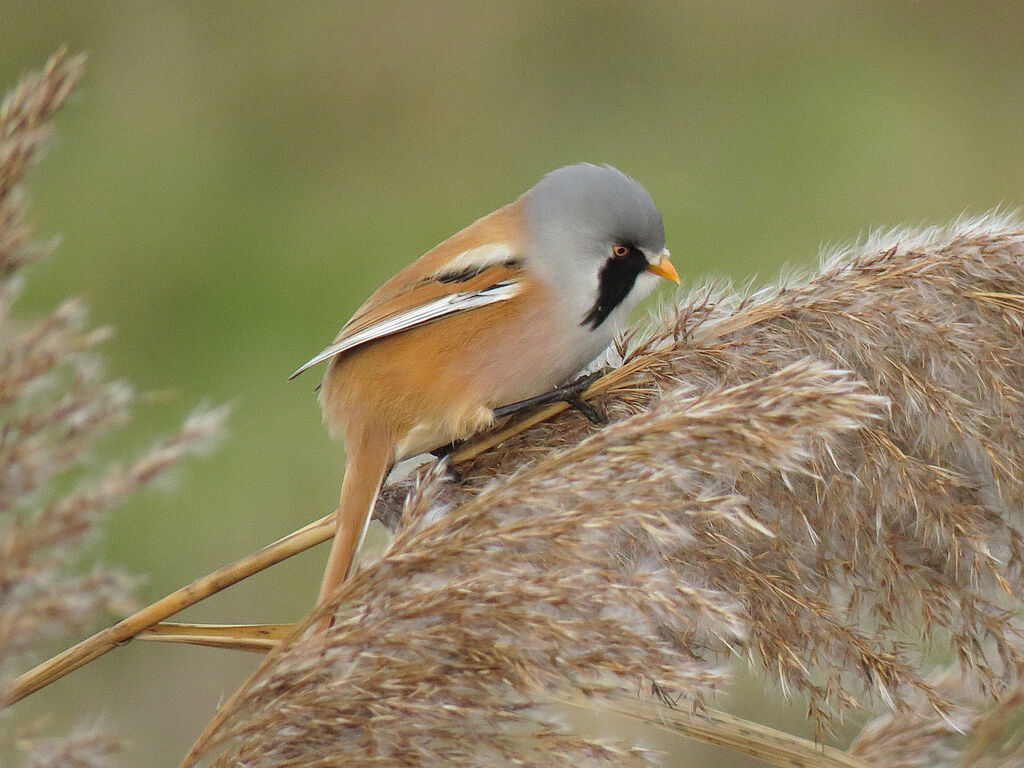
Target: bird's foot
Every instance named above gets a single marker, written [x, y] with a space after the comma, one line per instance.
[592, 413]
[570, 393]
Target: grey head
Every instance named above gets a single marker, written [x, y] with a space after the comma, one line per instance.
[595, 202]
[575, 217]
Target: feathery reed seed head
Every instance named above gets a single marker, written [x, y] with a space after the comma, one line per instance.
[56, 404]
[801, 474]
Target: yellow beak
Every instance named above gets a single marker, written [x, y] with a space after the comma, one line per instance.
[664, 269]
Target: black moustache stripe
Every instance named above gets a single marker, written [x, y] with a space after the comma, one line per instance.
[614, 283]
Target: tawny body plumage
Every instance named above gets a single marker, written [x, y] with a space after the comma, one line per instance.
[508, 308]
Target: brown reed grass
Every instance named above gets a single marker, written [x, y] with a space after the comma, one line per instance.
[978, 732]
[56, 404]
[810, 476]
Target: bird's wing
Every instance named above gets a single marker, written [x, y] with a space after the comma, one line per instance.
[461, 285]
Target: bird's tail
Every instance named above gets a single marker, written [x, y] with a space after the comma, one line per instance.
[369, 458]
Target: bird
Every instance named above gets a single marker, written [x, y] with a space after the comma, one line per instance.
[508, 309]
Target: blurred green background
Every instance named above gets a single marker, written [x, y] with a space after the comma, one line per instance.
[232, 179]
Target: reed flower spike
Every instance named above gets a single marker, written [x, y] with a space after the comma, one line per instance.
[796, 475]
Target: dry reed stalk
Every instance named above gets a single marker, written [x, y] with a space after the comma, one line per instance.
[724, 730]
[261, 638]
[111, 637]
[55, 405]
[764, 504]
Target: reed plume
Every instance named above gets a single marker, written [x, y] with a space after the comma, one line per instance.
[978, 732]
[803, 475]
[56, 404]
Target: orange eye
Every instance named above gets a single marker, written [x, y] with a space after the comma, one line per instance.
[620, 251]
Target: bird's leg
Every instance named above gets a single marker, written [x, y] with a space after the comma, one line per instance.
[446, 450]
[569, 393]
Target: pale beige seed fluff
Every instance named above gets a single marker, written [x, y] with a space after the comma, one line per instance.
[801, 475]
[56, 404]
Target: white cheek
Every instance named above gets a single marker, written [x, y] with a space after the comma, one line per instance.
[642, 288]
[645, 283]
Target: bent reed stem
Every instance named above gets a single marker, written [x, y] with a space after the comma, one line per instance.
[106, 640]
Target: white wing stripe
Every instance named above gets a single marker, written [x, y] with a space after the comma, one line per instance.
[446, 305]
[479, 258]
